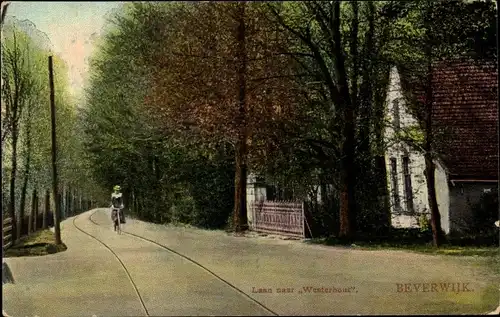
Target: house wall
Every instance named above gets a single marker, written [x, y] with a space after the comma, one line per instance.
[462, 196]
[402, 217]
[255, 192]
[442, 196]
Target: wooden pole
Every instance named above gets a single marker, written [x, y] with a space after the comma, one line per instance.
[57, 212]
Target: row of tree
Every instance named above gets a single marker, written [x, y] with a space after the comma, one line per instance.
[184, 99]
[26, 130]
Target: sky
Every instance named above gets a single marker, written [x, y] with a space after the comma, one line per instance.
[70, 27]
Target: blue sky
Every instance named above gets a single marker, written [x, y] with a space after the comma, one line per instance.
[69, 25]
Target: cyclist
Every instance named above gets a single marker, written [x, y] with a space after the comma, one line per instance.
[117, 205]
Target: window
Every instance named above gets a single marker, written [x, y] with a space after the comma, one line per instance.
[395, 187]
[408, 187]
[395, 109]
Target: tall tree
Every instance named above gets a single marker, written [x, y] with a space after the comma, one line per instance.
[25, 117]
[327, 60]
[240, 215]
[425, 33]
[16, 89]
[222, 82]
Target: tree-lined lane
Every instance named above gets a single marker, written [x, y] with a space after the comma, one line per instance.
[167, 283]
[288, 277]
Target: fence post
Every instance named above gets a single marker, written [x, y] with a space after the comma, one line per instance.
[7, 238]
[303, 221]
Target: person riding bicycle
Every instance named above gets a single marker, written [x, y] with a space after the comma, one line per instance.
[117, 205]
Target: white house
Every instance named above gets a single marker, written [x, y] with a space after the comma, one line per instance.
[464, 112]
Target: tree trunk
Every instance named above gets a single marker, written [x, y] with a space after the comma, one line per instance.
[381, 74]
[367, 190]
[383, 192]
[13, 175]
[354, 102]
[46, 209]
[240, 214]
[62, 202]
[68, 202]
[366, 98]
[437, 233]
[355, 54]
[73, 202]
[35, 217]
[27, 166]
[133, 203]
[347, 179]
[32, 215]
[347, 189]
[22, 204]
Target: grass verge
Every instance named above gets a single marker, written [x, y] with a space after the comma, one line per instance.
[445, 249]
[490, 254]
[37, 244]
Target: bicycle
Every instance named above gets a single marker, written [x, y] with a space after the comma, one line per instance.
[118, 220]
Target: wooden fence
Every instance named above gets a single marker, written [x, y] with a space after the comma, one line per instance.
[35, 220]
[279, 217]
[7, 233]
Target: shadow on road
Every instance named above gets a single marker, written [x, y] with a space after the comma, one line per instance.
[7, 276]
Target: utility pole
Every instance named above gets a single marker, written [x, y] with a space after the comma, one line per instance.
[57, 213]
[498, 125]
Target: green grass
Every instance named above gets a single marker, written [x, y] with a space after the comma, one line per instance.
[489, 255]
[443, 250]
[37, 244]
[446, 249]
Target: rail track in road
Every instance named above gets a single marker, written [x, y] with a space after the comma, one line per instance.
[117, 257]
[165, 248]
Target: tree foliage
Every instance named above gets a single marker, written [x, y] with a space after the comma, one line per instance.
[185, 98]
[26, 125]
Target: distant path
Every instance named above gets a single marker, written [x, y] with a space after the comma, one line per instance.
[192, 261]
[119, 260]
[125, 276]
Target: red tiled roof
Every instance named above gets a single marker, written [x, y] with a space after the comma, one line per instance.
[465, 118]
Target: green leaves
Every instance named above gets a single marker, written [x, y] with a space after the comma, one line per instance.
[412, 136]
[27, 117]
[163, 108]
